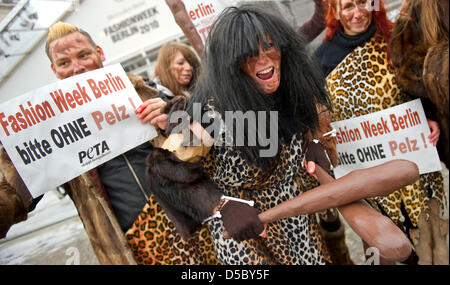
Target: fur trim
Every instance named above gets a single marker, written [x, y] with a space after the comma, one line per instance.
[144, 91]
[407, 54]
[435, 78]
[13, 178]
[12, 209]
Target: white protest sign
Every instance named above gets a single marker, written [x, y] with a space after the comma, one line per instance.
[57, 132]
[203, 13]
[400, 132]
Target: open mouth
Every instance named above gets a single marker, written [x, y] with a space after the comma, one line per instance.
[266, 74]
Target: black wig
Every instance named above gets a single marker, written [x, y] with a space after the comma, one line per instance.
[236, 35]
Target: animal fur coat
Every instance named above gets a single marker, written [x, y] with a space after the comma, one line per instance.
[422, 72]
[102, 227]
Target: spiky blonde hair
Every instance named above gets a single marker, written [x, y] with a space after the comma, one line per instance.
[61, 29]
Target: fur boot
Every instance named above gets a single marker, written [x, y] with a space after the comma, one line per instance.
[423, 240]
[430, 237]
[439, 228]
[333, 233]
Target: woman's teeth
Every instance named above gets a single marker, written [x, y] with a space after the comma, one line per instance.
[265, 71]
[266, 74]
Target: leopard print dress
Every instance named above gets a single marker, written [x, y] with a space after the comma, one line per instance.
[294, 240]
[364, 82]
[155, 241]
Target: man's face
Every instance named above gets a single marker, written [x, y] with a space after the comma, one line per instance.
[265, 69]
[74, 54]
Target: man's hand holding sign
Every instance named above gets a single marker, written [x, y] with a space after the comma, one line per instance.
[73, 125]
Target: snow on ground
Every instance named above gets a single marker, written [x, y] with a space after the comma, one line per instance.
[52, 234]
[62, 243]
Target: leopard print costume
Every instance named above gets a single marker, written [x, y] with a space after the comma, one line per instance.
[294, 240]
[363, 83]
[154, 241]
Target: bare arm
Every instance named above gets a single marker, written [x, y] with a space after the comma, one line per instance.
[345, 194]
[182, 18]
[380, 180]
[377, 231]
[314, 26]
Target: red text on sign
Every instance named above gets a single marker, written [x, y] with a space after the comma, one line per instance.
[66, 100]
[371, 129]
[410, 119]
[201, 11]
[118, 114]
[409, 145]
[26, 117]
[104, 87]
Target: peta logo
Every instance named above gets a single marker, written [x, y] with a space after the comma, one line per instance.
[93, 153]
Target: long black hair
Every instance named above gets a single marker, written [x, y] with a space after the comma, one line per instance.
[237, 34]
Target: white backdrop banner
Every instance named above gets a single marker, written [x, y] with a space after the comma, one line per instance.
[400, 132]
[57, 132]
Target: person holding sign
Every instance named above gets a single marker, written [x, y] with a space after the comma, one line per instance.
[361, 80]
[226, 185]
[234, 80]
[119, 184]
[176, 72]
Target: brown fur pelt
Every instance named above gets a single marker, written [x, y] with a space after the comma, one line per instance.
[436, 82]
[178, 103]
[185, 193]
[422, 24]
[12, 209]
[435, 74]
[144, 91]
[407, 53]
[419, 54]
[12, 177]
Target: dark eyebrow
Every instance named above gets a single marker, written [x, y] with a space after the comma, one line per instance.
[84, 50]
[61, 59]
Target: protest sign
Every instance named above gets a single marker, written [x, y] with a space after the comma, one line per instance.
[203, 14]
[57, 132]
[400, 132]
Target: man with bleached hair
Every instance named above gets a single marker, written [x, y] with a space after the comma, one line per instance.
[111, 198]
